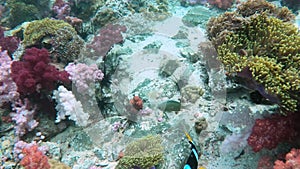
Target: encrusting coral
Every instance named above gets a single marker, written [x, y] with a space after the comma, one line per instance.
[142, 153]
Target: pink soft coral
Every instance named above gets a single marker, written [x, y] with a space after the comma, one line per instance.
[34, 73]
[292, 160]
[8, 88]
[34, 158]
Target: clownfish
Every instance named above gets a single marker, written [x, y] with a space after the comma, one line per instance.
[192, 161]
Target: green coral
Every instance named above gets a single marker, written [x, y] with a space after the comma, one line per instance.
[26, 10]
[39, 29]
[219, 27]
[56, 35]
[144, 153]
[270, 48]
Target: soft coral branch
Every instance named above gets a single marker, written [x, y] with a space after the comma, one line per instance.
[292, 160]
[34, 73]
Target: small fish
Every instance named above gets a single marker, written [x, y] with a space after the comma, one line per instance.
[192, 161]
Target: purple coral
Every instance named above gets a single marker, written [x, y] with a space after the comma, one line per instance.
[82, 75]
[61, 9]
[8, 88]
[23, 116]
[108, 36]
[9, 43]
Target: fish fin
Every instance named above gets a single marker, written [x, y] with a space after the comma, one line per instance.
[188, 136]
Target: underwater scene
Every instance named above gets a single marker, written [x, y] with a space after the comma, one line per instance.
[150, 84]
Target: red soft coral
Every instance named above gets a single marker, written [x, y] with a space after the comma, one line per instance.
[34, 158]
[9, 43]
[269, 132]
[108, 36]
[292, 160]
[34, 73]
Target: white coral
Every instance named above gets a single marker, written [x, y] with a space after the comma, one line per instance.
[67, 105]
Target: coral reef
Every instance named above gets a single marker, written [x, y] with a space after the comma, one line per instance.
[25, 10]
[34, 159]
[67, 105]
[54, 164]
[269, 132]
[61, 9]
[270, 57]
[34, 74]
[292, 160]
[8, 88]
[230, 22]
[9, 43]
[83, 75]
[143, 153]
[264, 44]
[23, 117]
[58, 36]
[107, 37]
[200, 124]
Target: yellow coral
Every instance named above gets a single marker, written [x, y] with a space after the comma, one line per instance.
[271, 52]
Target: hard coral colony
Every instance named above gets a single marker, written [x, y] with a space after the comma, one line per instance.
[70, 72]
